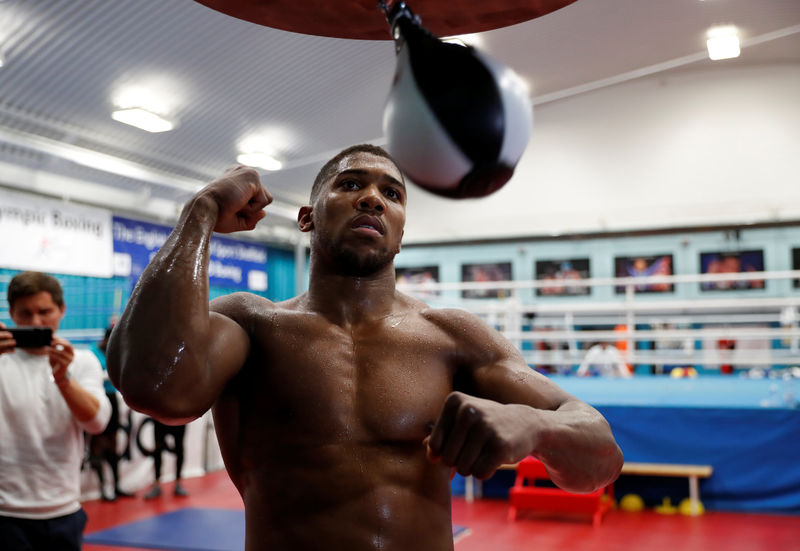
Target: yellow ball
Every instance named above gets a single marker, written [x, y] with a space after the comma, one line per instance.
[677, 373]
[685, 508]
[632, 503]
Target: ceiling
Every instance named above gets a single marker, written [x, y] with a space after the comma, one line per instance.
[225, 80]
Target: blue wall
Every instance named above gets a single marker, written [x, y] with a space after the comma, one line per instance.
[93, 302]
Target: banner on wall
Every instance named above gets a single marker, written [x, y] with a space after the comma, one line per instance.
[232, 263]
[54, 236]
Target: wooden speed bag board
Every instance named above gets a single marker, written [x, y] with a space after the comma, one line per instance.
[363, 19]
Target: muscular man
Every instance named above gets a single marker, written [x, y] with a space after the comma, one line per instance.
[48, 397]
[342, 413]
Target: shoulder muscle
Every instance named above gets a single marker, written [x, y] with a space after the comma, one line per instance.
[493, 364]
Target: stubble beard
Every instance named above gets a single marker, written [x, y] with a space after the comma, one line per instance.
[349, 262]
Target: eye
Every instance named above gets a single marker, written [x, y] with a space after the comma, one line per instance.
[349, 184]
[392, 193]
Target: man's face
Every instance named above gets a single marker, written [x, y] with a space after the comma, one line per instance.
[37, 310]
[359, 214]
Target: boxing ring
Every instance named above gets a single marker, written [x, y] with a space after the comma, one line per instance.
[715, 421]
[746, 425]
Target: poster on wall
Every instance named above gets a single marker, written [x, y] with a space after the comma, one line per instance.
[796, 265]
[644, 266]
[735, 262]
[232, 263]
[419, 277]
[54, 236]
[494, 271]
[563, 272]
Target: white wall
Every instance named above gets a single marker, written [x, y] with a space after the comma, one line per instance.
[681, 148]
[201, 455]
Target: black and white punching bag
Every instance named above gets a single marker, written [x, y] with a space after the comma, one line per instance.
[456, 121]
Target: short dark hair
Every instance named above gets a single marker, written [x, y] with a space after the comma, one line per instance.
[328, 168]
[25, 284]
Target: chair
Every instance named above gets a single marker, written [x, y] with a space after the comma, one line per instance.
[524, 495]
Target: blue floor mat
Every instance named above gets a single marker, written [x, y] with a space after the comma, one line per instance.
[190, 529]
[187, 529]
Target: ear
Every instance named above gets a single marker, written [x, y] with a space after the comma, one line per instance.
[304, 219]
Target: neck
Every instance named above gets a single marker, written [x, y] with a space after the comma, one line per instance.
[347, 299]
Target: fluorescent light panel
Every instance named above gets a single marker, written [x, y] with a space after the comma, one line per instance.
[142, 118]
[260, 160]
[723, 43]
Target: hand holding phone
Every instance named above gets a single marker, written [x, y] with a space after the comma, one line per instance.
[32, 337]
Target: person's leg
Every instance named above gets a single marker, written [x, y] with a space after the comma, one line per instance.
[97, 466]
[178, 434]
[66, 533]
[160, 433]
[113, 461]
[110, 454]
[127, 428]
[97, 444]
[14, 534]
[113, 421]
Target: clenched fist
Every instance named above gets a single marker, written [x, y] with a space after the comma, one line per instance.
[476, 436]
[240, 199]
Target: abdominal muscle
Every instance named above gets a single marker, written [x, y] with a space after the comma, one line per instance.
[352, 497]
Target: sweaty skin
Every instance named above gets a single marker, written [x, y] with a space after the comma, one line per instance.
[341, 413]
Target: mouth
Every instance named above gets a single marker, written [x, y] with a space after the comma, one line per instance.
[368, 224]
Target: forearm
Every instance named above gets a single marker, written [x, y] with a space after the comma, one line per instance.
[576, 445]
[87, 408]
[81, 403]
[159, 347]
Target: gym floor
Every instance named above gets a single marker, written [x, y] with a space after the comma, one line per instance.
[489, 529]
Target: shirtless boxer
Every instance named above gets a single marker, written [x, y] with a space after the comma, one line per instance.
[341, 413]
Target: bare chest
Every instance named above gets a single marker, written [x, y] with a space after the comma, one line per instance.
[385, 382]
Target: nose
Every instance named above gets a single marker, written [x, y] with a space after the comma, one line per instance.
[371, 199]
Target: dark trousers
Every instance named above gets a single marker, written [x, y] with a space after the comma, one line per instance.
[103, 446]
[161, 432]
[60, 533]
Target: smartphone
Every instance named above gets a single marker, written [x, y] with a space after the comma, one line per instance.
[32, 337]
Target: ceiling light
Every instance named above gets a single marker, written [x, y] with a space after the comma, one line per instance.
[723, 42]
[157, 94]
[142, 118]
[260, 160]
[2, 60]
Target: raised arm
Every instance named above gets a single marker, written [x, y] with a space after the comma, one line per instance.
[168, 355]
[509, 411]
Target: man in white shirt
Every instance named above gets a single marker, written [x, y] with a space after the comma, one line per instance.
[604, 360]
[49, 395]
